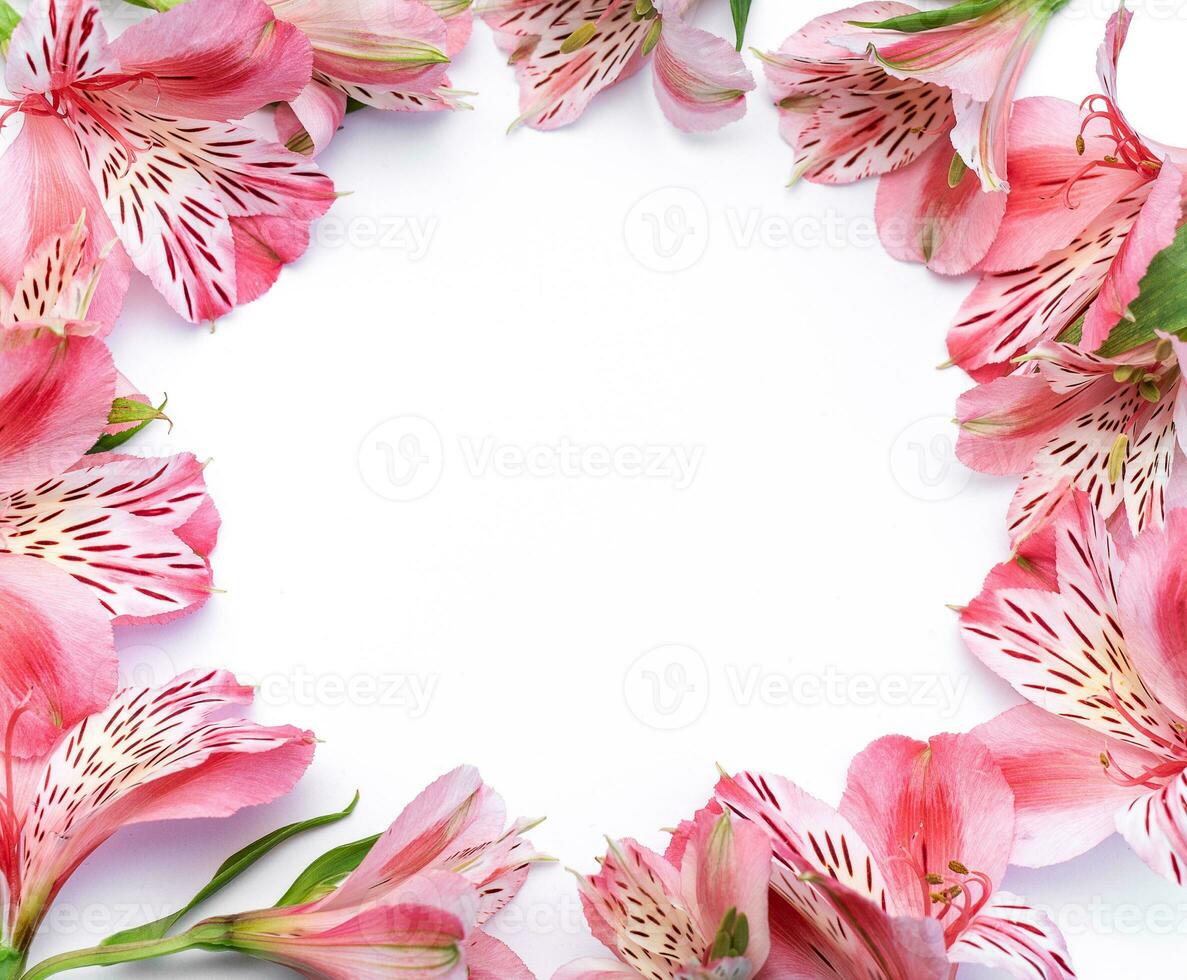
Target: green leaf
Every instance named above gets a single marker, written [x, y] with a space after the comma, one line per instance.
[231, 869]
[1161, 305]
[327, 872]
[124, 411]
[9, 19]
[741, 12]
[927, 20]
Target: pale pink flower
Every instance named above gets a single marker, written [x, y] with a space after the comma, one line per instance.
[136, 134]
[414, 907]
[131, 532]
[564, 54]
[695, 913]
[1095, 642]
[388, 54]
[858, 97]
[1091, 203]
[900, 882]
[1071, 421]
[164, 753]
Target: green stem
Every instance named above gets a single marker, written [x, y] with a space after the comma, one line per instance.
[202, 934]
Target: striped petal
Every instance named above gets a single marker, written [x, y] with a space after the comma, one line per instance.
[700, 80]
[153, 754]
[1010, 935]
[1156, 828]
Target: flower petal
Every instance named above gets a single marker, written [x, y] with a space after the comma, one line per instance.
[1153, 231]
[936, 802]
[1010, 935]
[555, 87]
[57, 651]
[1065, 802]
[47, 190]
[213, 59]
[153, 754]
[1064, 650]
[309, 122]
[1155, 826]
[700, 80]
[58, 43]
[489, 959]
[55, 398]
[590, 968]
[921, 218]
[264, 245]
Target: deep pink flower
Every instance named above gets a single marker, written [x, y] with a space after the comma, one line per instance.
[697, 912]
[415, 906]
[857, 101]
[899, 882]
[389, 54]
[564, 54]
[137, 135]
[1069, 421]
[1091, 203]
[152, 754]
[1095, 643]
[133, 532]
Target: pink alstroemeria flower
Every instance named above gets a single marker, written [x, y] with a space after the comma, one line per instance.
[857, 101]
[414, 907]
[900, 882]
[163, 753]
[1095, 643]
[133, 533]
[1092, 202]
[698, 912]
[388, 54]
[1067, 421]
[564, 54]
[137, 135]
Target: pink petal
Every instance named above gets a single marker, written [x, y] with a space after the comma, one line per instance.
[727, 865]
[57, 651]
[1155, 826]
[555, 88]
[55, 398]
[1010, 935]
[48, 189]
[213, 59]
[1065, 802]
[1064, 650]
[844, 118]
[109, 523]
[176, 226]
[458, 823]
[1153, 231]
[57, 43]
[1005, 423]
[1046, 212]
[700, 80]
[489, 959]
[264, 245]
[200, 765]
[936, 803]
[1153, 602]
[313, 117]
[372, 43]
[922, 219]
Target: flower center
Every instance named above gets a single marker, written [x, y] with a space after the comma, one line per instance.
[1128, 151]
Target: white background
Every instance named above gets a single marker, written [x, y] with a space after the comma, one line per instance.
[819, 540]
